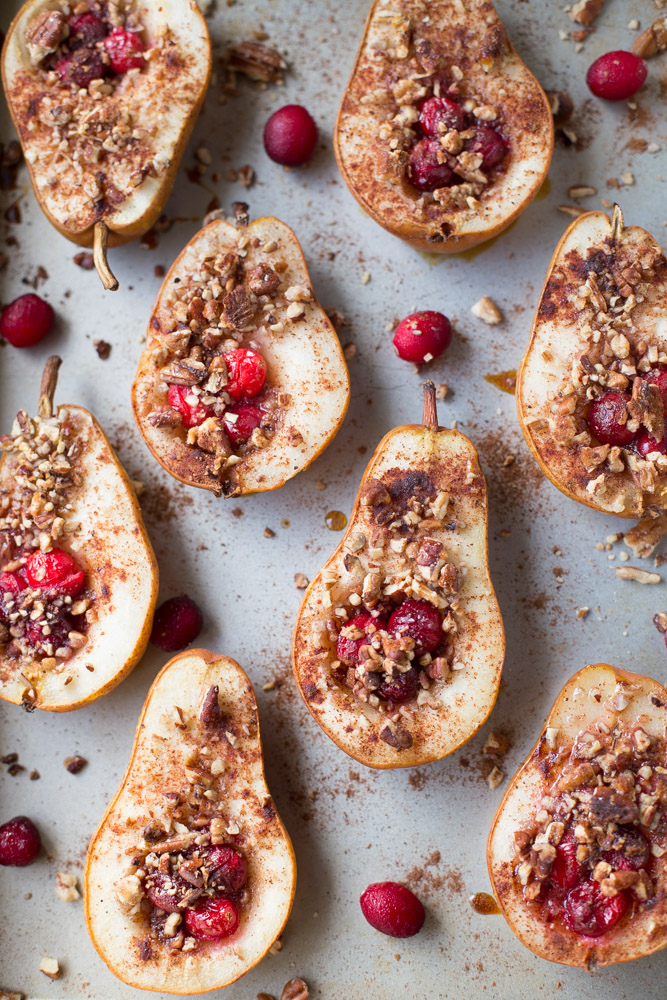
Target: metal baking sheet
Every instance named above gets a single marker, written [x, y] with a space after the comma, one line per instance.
[350, 825]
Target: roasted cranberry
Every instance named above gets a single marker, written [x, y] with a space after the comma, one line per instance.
[566, 870]
[402, 686]
[490, 144]
[290, 136]
[608, 418]
[166, 891]
[228, 869]
[216, 918]
[191, 410]
[58, 627]
[439, 115]
[55, 571]
[240, 420]
[247, 373]
[85, 29]
[645, 444]
[81, 67]
[347, 649]
[616, 75]
[11, 583]
[658, 376]
[589, 913]
[26, 320]
[20, 842]
[631, 849]
[420, 621]
[176, 624]
[125, 50]
[422, 336]
[428, 169]
[392, 909]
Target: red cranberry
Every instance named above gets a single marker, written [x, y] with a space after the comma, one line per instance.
[216, 918]
[192, 412]
[401, 687]
[632, 852]
[589, 913]
[11, 583]
[247, 373]
[392, 909]
[228, 870]
[290, 136]
[81, 67]
[55, 571]
[240, 421]
[176, 624]
[645, 444]
[422, 336]
[166, 891]
[438, 115]
[85, 29]
[608, 418]
[616, 75]
[428, 169]
[26, 320]
[420, 621]
[490, 144]
[566, 870]
[20, 842]
[58, 635]
[658, 376]
[347, 649]
[125, 50]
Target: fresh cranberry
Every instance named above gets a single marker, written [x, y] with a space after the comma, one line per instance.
[392, 909]
[632, 852]
[176, 624]
[55, 571]
[166, 891]
[81, 67]
[347, 649]
[85, 29]
[11, 583]
[20, 842]
[247, 373]
[645, 444]
[608, 418]
[125, 50]
[422, 336]
[26, 320]
[240, 421]
[616, 75]
[58, 634]
[420, 621]
[402, 686]
[490, 144]
[290, 136]
[228, 870]
[216, 918]
[658, 376]
[566, 870]
[439, 115]
[428, 169]
[589, 913]
[192, 414]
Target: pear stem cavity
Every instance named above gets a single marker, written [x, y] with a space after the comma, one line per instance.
[48, 387]
[100, 242]
[430, 417]
[617, 223]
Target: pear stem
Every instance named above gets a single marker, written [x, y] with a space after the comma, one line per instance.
[617, 222]
[430, 417]
[48, 387]
[100, 243]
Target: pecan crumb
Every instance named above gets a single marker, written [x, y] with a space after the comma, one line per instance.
[50, 967]
[301, 581]
[75, 763]
[103, 349]
[84, 260]
[211, 714]
[295, 989]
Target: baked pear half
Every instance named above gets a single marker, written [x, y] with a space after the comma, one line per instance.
[190, 876]
[443, 135]
[78, 583]
[399, 643]
[104, 101]
[577, 853]
[242, 383]
[592, 387]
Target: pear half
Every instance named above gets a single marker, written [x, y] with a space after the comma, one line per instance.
[621, 708]
[104, 531]
[175, 752]
[441, 468]
[409, 45]
[110, 194]
[601, 325]
[307, 373]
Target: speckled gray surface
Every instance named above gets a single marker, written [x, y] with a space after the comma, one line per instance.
[350, 826]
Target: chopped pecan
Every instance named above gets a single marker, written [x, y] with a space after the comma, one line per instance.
[438, 668]
[238, 311]
[258, 62]
[609, 806]
[46, 31]
[592, 457]
[429, 552]
[186, 372]
[263, 280]
[449, 579]
[211, 436]
[374, 493]
[295, 989]
[395, 736]
[211, 713]
[652, 40]
[646, 407]
[645, 535]
[164, 416]
[586, 11]
[177, 342]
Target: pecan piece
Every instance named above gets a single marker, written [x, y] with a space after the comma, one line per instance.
[238, 311]
[586, 11]
[429, 551]
[646, 407]
[652, 40]
[263, 280]
[258, 62]
[187, 372]
[46, 31]
[395, 736]
[211, 436]
[296, 989]
[211, 713]
[608, 806]
[374, 493]
[164, 416]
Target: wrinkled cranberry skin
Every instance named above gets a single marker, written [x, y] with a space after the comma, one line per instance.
[81, 67]
[212, 920]
[566, 870]
[401, 688]
[607, 418]
[290, 136]
[247, 373]
[248, 417]
[159, 887]
[228, 869]
[420, 621]
[589, 913]
[347, 650]
[125, 50]
[635, 852]
[645, 444]
[392, 909]
[85, 29]
[11, 583]
[425, 171]
[658, 376]
[20, 842]
[490, 144]
[58, 636]
[192, 414]
[55, 572]
[438, 115]
[26, 320]
[420, 334]
[616, 76]
[176, 624]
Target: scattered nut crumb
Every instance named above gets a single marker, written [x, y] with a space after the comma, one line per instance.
[581, 191]
[84, 260]
[34, 776]
[572, 210]
[349, 350]
[487, 310]
[276, 947]
[66, 887]
[441, 390]
[103, 348]
[636, 574]
[50, 967]
[246, 175]
[365, 278]
[660, 621]
[269, 686]
[269, 533]
[495, 778]
[300, 581]
[295, 989]
[582, 612]
[509, 460]
[75, 763]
